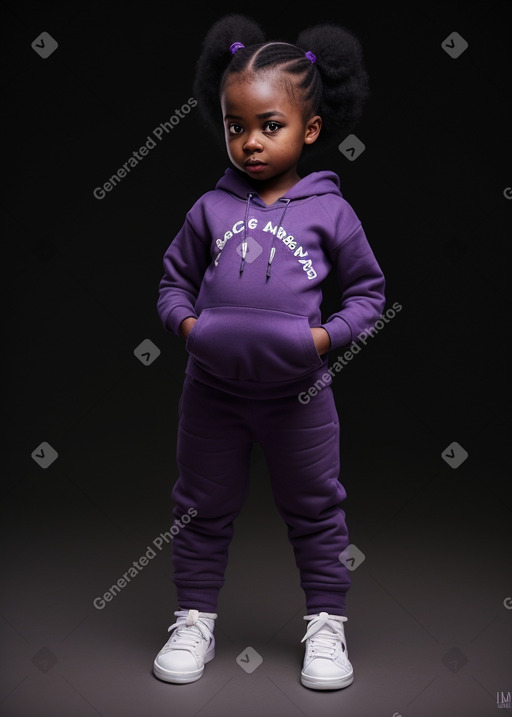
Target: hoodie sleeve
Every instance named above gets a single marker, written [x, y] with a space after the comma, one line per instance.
[185, 263]
[362, 286]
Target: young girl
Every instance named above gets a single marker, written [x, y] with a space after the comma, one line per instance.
[243, 287]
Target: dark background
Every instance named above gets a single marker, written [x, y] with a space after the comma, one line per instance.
[429, 630]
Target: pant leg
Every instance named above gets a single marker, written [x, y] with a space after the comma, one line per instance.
[301, 446]
[213, 457]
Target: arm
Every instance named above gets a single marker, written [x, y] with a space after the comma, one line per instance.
[186, 326]
[185, 262]
[362, 286]
[322, 340]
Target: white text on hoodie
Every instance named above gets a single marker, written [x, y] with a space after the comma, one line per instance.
[281, 234]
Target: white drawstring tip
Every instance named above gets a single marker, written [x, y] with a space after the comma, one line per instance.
[244, 254]
[270, 259]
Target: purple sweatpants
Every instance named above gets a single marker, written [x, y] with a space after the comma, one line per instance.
[216, 431]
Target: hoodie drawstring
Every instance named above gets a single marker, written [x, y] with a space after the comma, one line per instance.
[280, 224]
[272, 247]
[244, 242]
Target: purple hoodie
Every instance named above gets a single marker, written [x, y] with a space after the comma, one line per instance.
[252, 275]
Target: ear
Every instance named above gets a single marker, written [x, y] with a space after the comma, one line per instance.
[313, 127]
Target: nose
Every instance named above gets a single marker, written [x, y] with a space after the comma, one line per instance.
[252, 142]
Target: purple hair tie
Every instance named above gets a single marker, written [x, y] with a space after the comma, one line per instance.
[310, 56]
[235, 46]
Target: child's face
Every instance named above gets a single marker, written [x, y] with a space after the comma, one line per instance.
[265, 130]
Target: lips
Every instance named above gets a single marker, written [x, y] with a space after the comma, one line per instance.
[254, 166]
[254, 163]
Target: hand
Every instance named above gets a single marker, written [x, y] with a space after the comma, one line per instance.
[322, 340]
[186, 326]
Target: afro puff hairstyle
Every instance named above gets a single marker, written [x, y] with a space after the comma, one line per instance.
[335, 86]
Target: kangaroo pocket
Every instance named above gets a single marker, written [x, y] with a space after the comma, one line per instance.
[250, 344]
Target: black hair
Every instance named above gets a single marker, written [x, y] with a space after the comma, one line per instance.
[335, 86]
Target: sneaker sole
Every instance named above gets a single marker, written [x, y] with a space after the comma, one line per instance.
[181, 678]
[326, 683]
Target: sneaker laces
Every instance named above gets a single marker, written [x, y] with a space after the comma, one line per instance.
[189, 630]
[324, 631]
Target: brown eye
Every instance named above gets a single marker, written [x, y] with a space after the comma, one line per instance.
[235, 129]
[272, 126]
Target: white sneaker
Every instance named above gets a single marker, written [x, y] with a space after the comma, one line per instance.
[192, 643]
[326, 664]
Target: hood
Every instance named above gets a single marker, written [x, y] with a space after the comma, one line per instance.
[235, 182]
